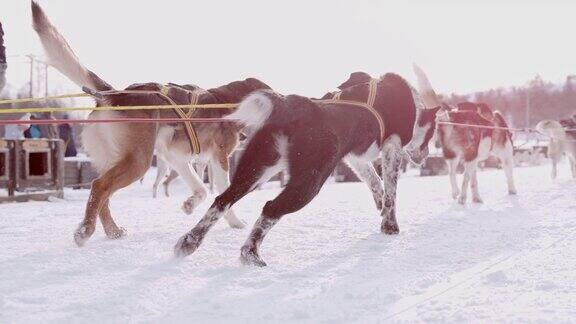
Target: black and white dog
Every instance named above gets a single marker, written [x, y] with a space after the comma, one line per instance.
[485, 135]
[307, 138]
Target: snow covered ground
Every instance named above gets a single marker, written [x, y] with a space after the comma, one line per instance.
[512, 259]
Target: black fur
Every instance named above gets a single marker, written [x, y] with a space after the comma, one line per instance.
[319, 135]
[2, 48]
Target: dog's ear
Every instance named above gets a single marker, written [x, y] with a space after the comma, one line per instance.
[354, 79]
[437, 110]
[328, 95]
[442, 112]
[484, 107]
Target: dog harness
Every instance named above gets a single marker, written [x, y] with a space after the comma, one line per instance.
[369, 104]
[194, 96]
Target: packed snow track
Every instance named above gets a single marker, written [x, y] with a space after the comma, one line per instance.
[511, 259]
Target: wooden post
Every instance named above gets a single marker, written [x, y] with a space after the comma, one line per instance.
[10, 163]
[58, 166]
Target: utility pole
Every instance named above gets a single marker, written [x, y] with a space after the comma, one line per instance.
[45, 78]
[31, 81]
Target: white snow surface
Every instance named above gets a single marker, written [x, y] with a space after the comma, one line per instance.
[511, 259]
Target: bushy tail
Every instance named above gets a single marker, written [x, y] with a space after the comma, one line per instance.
[254, 110]
[3, 65]
[265, 107]
[429, 96]
[501, 122]
[551, 128]
[2, 48]
[60, 55]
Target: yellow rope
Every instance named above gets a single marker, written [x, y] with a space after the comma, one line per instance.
[194, 97]
[163, 92]
[114, 108]
[74, 95]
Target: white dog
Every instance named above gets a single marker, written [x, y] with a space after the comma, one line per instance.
[562, 141]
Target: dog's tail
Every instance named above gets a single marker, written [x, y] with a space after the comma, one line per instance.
[3, 65]
[265, 107]
[255, 109]
[501, 122]
[2, 48]
[551, 128]
[60, 55]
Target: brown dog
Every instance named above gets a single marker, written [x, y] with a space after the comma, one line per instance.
[122, 152]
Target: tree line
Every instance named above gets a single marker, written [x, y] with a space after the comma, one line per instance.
[525, 106]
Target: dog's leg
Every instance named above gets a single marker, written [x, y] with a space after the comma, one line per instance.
[166, 184]
[121, 175]
[468, 170]
[474, 185]
[366, 172]
[190, 242]
[452, 170]
[391, 162]
[161, 170]
[222, 182]
[572, 162]
[554, 167]
[251, 171]
[181, 165]
[112, 230]
[303, 186]
[508, 165]
[200, 169]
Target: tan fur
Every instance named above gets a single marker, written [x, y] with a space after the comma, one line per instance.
[60, 55]
[122, 153]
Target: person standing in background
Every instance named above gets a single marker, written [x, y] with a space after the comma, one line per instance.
[47, 130]
[34, 131]
[67, 135]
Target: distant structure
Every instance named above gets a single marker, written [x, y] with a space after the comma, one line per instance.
[38, 79]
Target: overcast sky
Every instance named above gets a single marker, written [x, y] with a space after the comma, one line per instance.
[308, 47]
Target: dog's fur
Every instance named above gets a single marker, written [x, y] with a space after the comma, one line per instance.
[162, 169]
[562, 135]
[471, 144]
[122, 152]
[3, 65]
[306, 139]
